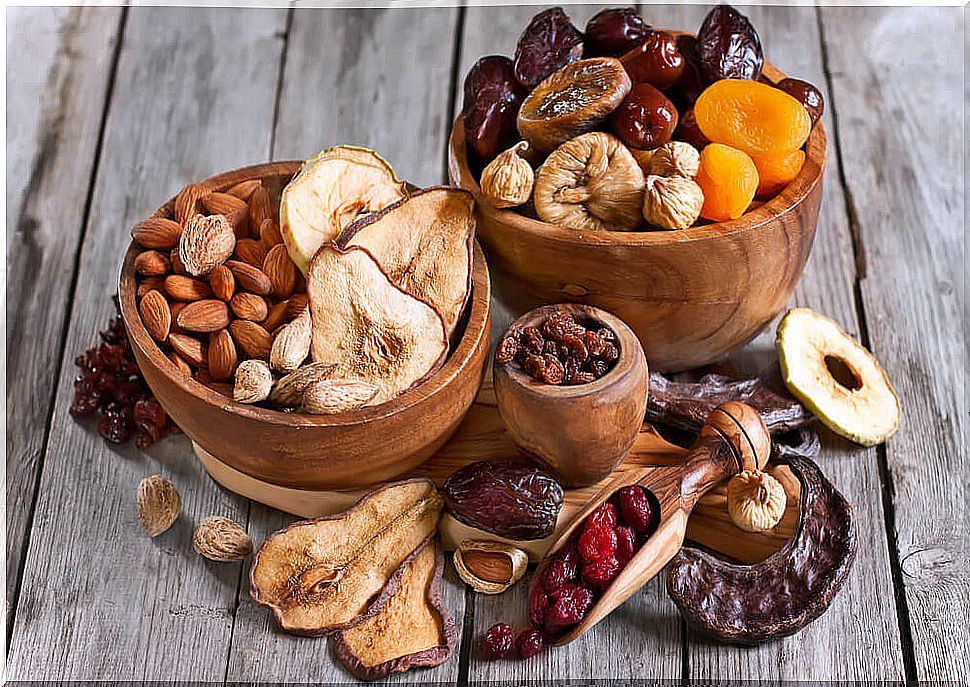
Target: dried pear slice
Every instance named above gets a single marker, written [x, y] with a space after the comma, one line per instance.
[332, 189]
[424, 244]
[368, 327]
[321, 575]
[571, 101]
[836, 378]
[413, 628]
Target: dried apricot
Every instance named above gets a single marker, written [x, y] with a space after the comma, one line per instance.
[775, 173]
[753, 117]
[729, 180]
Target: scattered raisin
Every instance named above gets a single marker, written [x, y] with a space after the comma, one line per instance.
[498, 641]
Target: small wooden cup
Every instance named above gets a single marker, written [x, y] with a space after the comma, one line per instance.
[580, 433]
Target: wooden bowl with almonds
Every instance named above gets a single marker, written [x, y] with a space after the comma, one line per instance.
[346, 450]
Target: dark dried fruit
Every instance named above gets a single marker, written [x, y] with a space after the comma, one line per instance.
[571, 605]
[506, 351]
[549, 42]
[531, 340]
[626, 544]
[562, 569]
[657, 61]
[492, 97]
[806, 94]
[583, 378]
[689, 132]
[636, 509]
[728, 46]
[691, 82]
[553, 371]
[609, 353]
[645, 119]
[604, 516]
[599, 574]
[538, 604]
[575, 347]
[529, 643]
[498, 641]
[597, 542]
[614, 32]
[509, 499]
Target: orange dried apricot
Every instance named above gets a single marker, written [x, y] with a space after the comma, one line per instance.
[753, 117]
[775, 173]
[729, 179]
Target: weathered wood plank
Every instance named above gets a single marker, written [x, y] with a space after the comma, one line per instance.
[57, 82]
[381, 79]
[194, 94]
[898, 81]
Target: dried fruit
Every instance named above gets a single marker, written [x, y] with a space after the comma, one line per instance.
[645, 119]
[626, 544]
[572, 101]
[330, 396]
[507, 180]
[563, 568]
[253, 382]
[570, 606]
[490, 567]
[156, 315]
[755, 500]
[751, 116]
[775, 173]
[549, 42]
[251, 338]
[597, 542]
[728, 46]
[331, 190]
[221, 539]
[599, 574]
[498, 640]
[590, 183]
[688, 131]
[368, 327]
[289, 390]
[614, 32]
[321, 575]
[157, 232]
[636, 509]
[538, 605]
[604, 516]
[508, 499]
[656, 61]
[528, 644]
[674, 159]
[209, 315]
[206, 243]
[291, 345]
[672, 202]
[836, 378]
[159, 504]
[492, 97]
[805, 93]
[424, 245]
[728, 179]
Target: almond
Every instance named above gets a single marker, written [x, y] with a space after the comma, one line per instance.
[156, 232]
[250, 278]
[180, 363]
[188, 203]
[189, 348]
[289, 390]
[151, 263]
[244, 189]
[296, 304]
[208, 315]
[269, 234]
[176, 308]
[251, 252]
[253, 382]
[249, 306]
[253, 339]
[234, 209]
[149, 284]
[156, 315]
[182, 288]
[222, 356]
[280, 270]
[259, 208]
[276, 316]
[330, 396]
[222, 282]
[292, 344]
[205, 243]
[178, 267]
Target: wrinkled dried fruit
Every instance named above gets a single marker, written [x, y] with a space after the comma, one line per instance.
[572, 101]
[596, 542]
[656, 61]
[368, 327]
[538, 605]
[331, 190]
[604, 516]
[549, 42]
[570, 606]
[159, 504]
[626, 544]
[508, 499]
[756, 500]
[528, 644]
[645, 119]
[590, 183]
[728, 46]
[729, 179]
[321, 575]
[613, 32]
[221, 539]
[636, 509]
[498, 641]
[672, 202]
[507, 180]
[805, 93]
[562, 568]
[599, 574]
[674, 159]
[492, 97]
[775, 173]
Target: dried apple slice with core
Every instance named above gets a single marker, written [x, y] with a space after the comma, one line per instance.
[325, 574]
[424, 244]
[412, 629]
[332, 189]
[368, 327]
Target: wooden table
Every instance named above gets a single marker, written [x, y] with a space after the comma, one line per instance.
[111, 110]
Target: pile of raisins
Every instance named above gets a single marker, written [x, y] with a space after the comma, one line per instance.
[560, 350]
[110, 384]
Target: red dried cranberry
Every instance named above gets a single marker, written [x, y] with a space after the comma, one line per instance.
[626, 544]
[498, 640]
[596, 543]
[600, 573]
[570, 607]
[604, 516]
[561, 569]
[614, 31]
[538, 604]
[635, 509]
[529, 643]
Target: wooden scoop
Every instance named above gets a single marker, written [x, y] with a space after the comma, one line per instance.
[733, 439]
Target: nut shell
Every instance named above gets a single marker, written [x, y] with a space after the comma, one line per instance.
[221, 539]
[206, 243]
[253, 382]
[490, 567]
[159, 504]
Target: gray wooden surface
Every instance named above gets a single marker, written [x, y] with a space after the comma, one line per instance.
[111, 110]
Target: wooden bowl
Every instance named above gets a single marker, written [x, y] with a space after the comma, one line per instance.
[343, 451]
[580, 433]
[691, 296]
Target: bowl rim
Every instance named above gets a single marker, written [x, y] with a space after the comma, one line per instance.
[783, 202]
[476, 329]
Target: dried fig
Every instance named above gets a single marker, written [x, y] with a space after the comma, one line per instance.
[591, 183]
[572, 101]
[324, 574]
[549, 42]
[331, 190]
[424, 244]
[369, 328]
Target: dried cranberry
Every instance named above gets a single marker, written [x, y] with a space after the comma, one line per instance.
[492, 97]
[728, 46]
[603, 516]
[626, 544]
[498, 640]
[571, 605]
[614, 32]
[599, 574]
[806, 94]
[636, 510]
[657, 61]
[529, 643]
[596, 543]
[538, 603]
[561, 569]
[645, 119]
[549, 42]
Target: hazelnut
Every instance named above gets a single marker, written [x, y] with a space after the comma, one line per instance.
[672, 202]
[756, 500]
[159, 504]
[674, 159]
[490, 567]
[508, 179]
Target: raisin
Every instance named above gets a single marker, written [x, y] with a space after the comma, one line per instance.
[532, 341]
[805, 93]
[549, 42]
[728, 46]
[534, 366]
[571, 368]
[576, 347]
[603, 516]
[554, 328]
[657, 61]
[505, 498]
[529, 643]
[636, 510]
[599, 574]
[614, 32]
[553, 371]
[550, 348]
[492, 97]
[583, 378]
[609, 353]
[593, 342]
[596, 543]
[626, 544]
[571, 605]
[506, 351]
[498, 641]
[606, 334]
[598, 368]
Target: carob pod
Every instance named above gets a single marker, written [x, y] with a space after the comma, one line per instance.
[752, 604]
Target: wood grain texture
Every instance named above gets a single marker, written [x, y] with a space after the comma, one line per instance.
[900, 134]
[57, 84]
[100, 600]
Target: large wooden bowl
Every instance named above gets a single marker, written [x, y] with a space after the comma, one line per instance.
[691, 296]
[343, 451]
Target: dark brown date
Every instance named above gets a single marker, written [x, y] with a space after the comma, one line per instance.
[689, 132]
[806, 94]
[549, 42]
[492, 98]
[691, 83]
[657, 61]
[728, 46]
[614, 32]
[505, 498]
[645, 119]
